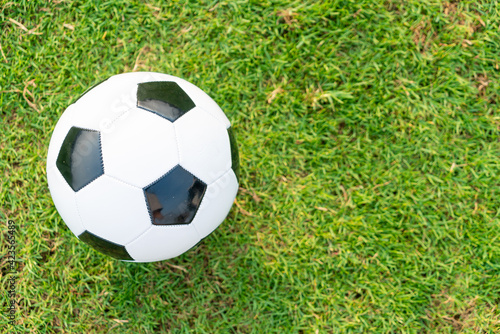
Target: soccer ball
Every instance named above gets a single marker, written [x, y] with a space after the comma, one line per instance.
[143, 166]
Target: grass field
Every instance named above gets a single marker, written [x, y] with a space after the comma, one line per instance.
[370, 158]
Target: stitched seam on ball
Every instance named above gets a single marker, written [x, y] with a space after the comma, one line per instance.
[220, 177]
[124, 182]
[82, 128]
[86, 184]
[120, 116]
[158, 179]
[148, 207]
[194, 226]
[177, 145]
[79, 215]
[203, 200]
[218, 120]
[140, 235]
[221, 123]
[100, 153]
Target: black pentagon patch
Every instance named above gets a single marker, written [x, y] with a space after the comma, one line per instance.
[175, 197]
[164, 98]
[80, 160]
[235, 157]
[106, 247]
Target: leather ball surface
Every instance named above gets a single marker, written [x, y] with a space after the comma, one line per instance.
[143, 166]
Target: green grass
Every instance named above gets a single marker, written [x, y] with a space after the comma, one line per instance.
[370, 159]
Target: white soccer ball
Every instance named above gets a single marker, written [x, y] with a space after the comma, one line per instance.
[143, 166]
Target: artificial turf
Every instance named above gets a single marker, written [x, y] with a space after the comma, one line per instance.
[369, 148]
